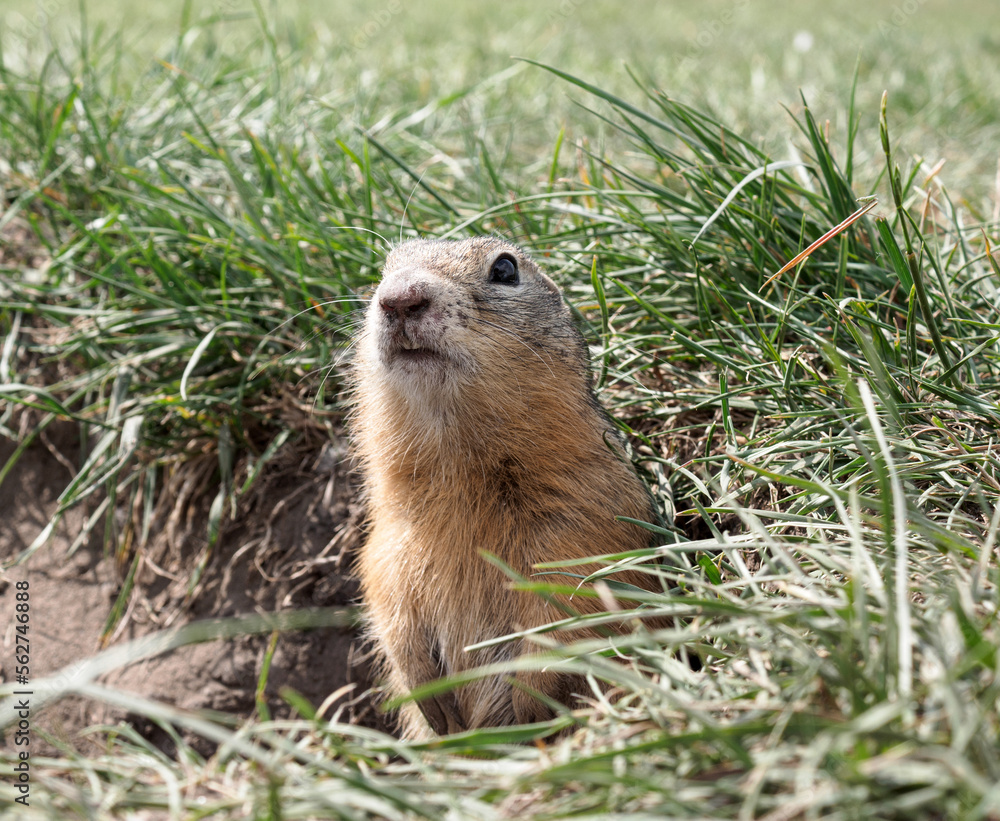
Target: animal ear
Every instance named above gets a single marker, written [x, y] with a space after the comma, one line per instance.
[548, 283]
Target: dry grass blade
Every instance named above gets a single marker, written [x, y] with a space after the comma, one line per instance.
[802, 255]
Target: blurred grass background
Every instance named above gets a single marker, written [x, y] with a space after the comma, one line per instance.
[740, 58]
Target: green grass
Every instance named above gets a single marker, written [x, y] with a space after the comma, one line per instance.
[207, 223]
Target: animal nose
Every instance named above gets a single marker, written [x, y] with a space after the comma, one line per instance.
[407, 302]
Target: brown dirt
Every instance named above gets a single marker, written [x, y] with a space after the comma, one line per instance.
[288, 547]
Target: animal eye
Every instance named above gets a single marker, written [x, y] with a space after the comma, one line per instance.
[504, 270]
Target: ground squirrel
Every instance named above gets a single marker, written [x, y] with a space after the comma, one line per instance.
[477, 429]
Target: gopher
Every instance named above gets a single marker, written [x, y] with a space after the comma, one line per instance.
[477, 430]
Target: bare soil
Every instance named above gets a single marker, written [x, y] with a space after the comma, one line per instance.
[289, 546]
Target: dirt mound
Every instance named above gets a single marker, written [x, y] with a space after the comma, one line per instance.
[288, 547]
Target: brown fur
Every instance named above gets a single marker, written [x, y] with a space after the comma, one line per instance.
[485, 438]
